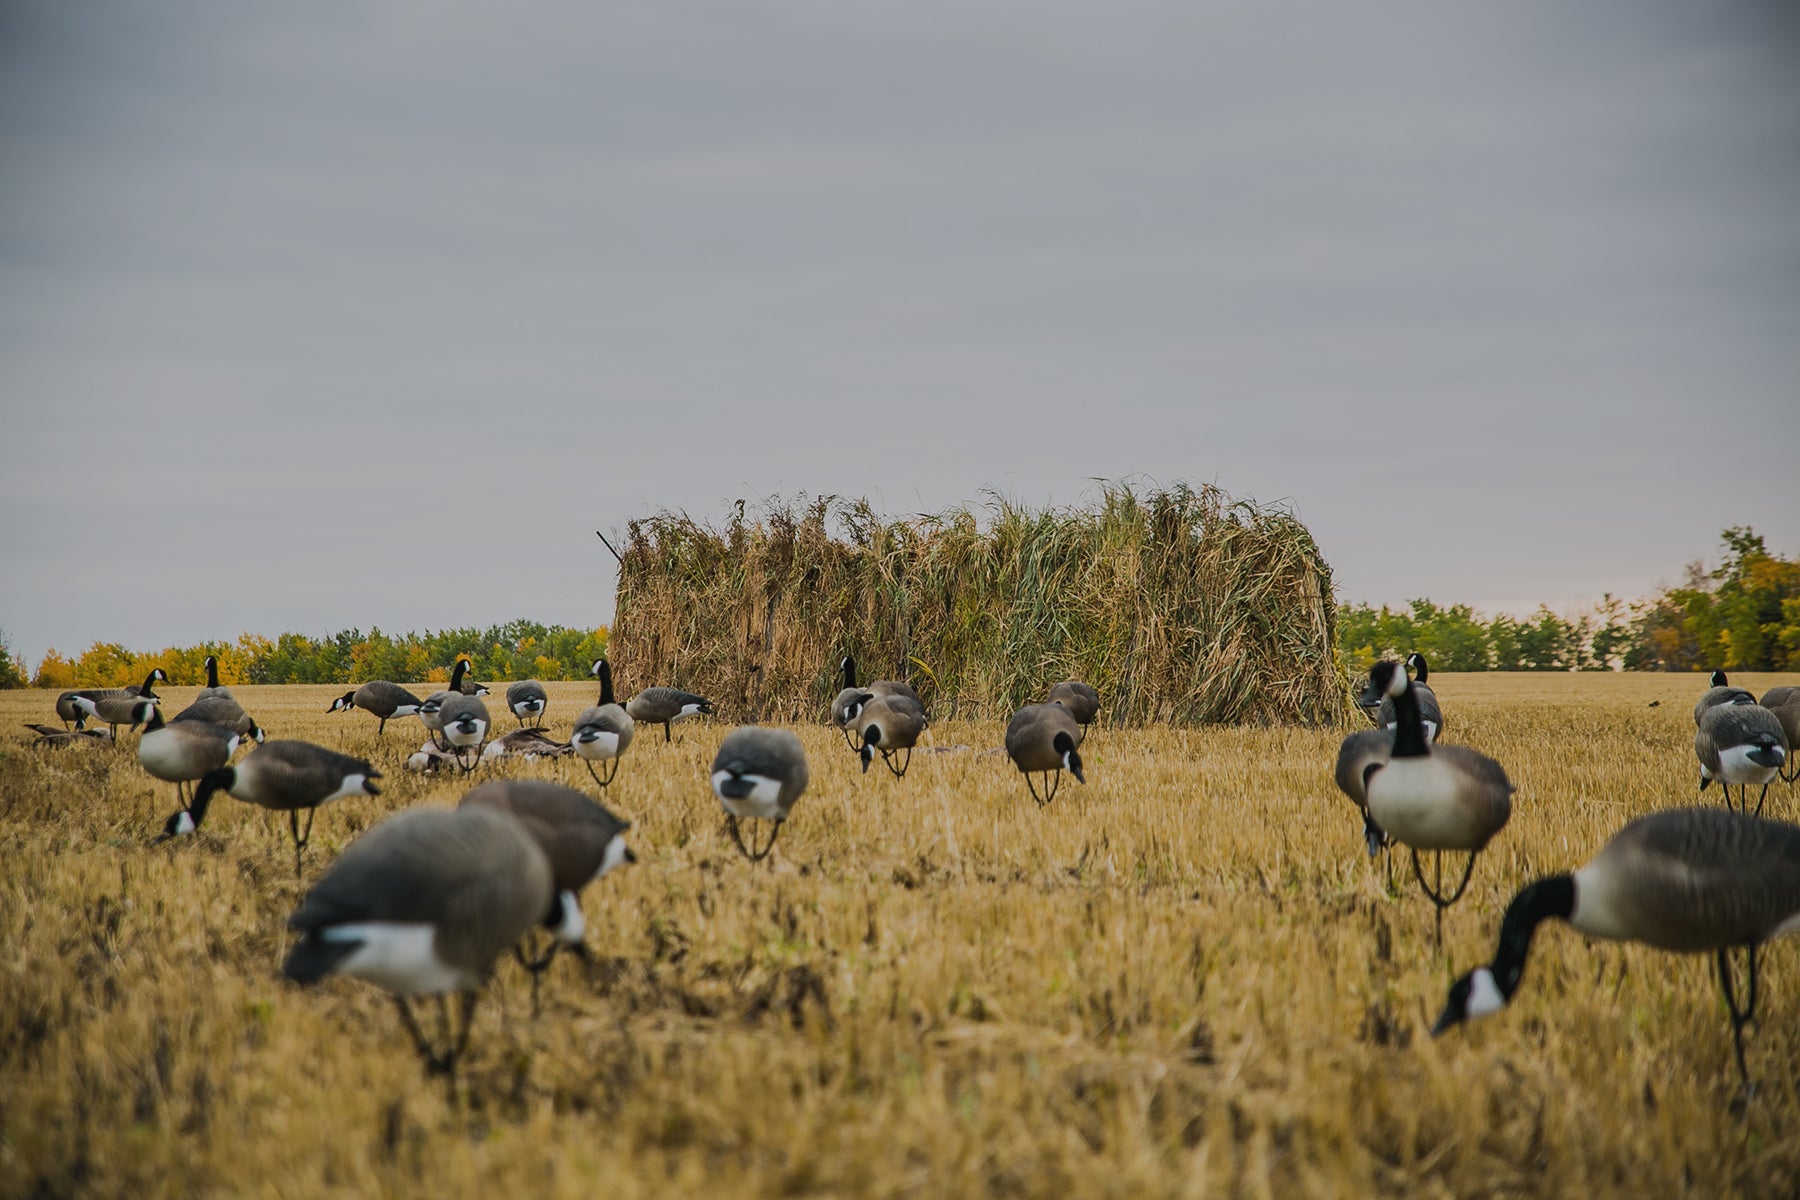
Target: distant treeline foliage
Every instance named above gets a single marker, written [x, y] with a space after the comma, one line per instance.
[516, 650]
[1743, 615]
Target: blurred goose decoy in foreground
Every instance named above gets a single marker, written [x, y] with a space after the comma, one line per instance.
[465, 724]
[1720, 692]
[422, 905]
[758, 774]
[1429, 712]
[388, 701]
[56, 735]
[1742, 744]
[114, 706]
[1784, 702]
[890, 724]
[181, 752]
[1691, 881]
[665, 706]
[604, 730]
[284, 776]
[1433, 797]
[1043, 738]
[527, 742]
[1357, 753]
[527, 700]
[1080, 699]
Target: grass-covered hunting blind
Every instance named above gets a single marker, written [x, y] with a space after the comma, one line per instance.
[1180, 605]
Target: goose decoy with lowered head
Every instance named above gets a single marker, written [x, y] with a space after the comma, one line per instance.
[422, 905]
[430, 707]
[181, 752]
[114, 706]
[56, 735]
[1691, 881]
[1432, 797]
[604, 729]
[889, 724]
[430, 756]
[758, 774]
[583, 842]
[465, 725]
[527, 742]
[213, 687]
[1429, 712]
[1356, 754]
[388, 701]
[852, 696]
[1720, 692]
[527, 701]
[1043, 738]
[282, 776]
[1784, 702]
[1742, 744]
[224, 711]
[664, 706]
[1080, 699]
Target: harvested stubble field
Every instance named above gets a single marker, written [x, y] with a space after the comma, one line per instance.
[1183, 978]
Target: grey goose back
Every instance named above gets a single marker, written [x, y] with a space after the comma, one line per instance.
[213, 688]
[1080, 699]
[1720, 692]
[1432, 797]
[112, 706]
[181, 752]
[603, 730]
[1784, 702]
[1429, 712]
[758, 774]
[224, 711]
[1041, 739]
[1356, 754]
[527, 701]
[59, 736]
[464, 720]
[281, 776]
[1690, 881]
[387, 701]
[1742, 744]
[891, 726]
[422, 905]
[528, 742]
[664, 706]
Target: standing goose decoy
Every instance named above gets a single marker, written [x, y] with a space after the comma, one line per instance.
[1433, 797]
[1429, 712]
[388, 701]
[422, 905]
[1043, 738]
[527, 742]
[1690, 881]
[604, 730]
[224, 711]
[181, 752]
[582, 840]
[465, 721]
[758, 773]
[459, 681]
[1357, 753]
[527, 699]
[1720, 692]
[664, 706]
[891, 724]
[1080, 699]
[283, 776]
[111, 705]
[212, 687]
[1784, 702]
[55, 735]
[1742, 744]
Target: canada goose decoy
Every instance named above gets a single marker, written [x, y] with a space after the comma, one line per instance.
[212, 687]
[1357, 753]
[582, 840]
[388, 701]
[664, 706]
[283, 776]
[429, 757]
[422, 905]
[1043, 738]
[1784, 702]
[852, 696]
[1720, 692]
[758, 773]
[111, 705]
[1429, 712]
[1688, 880]
[1742, 744]
[604, 729]
[56, 735]
[1080, 699]
[181, 752]
[433, 704]
[223, 711]
[1433, 797]
[459, 681]
[527, 700]
[527, 742]
[465, 724]
[890, 724]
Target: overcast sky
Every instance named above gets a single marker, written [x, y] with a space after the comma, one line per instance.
[320, 316]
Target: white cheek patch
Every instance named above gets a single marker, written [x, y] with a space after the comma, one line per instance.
[763, 800]
[573, 923]
[1067, 764]
[184, 823]
[1430, 730]
[1485, 997]
[614, 858]
[1396, 684]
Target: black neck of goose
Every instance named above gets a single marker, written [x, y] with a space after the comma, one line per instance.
[155, 719]
[849, 671]
[212, 671]
[212, 781]
[148, 691]
[1409, 730]
[1719, 680]
[457, 672]
[606, 686]
[1551, 896]
[1422, 669]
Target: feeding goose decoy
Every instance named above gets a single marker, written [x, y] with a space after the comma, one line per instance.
[527, 742]
[1356, 754]
[1720, 692]
[283, 776]
[527, 700]
[604, 729]
[224, 711]
[113, 706]
[758, 774]
[1432, 797]
[56, 735]
[433, 704]
[1080, 699]
[1784, 702]
[422, 905]
[664, 706]
[465, 724]
[852, 696]
[1691, 881]
[430, 756]
[889, 724]
[1742, 744]
[583, 842]
[1429, 712]
[1043, 738]
[181, 752]
[387, 701]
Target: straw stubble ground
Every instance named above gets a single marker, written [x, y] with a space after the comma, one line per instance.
[1183, 978]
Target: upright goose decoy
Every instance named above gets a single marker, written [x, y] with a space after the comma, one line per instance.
[1429, 712]
[388, 701]
[222, 710]
[527, 742]
[890, 724]
[1043, 738]
[1784, 702]
[1690, 881]
[212, 687]
[1080, 699]
[1357, 753]
[664, 706]
[283, 776]
[758, 774]
[527, 701]
[422, 905]
[852, 696]
[604, 730]
[1720, 692]
[1433, 797]
[465, 725]
[111, 705]
[583, 842]
[1742, 744]
[181, 752]
[460, 682]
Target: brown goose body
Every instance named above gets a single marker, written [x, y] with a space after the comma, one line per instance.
[1079, 698]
